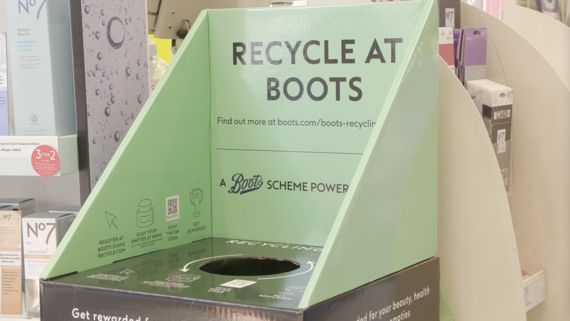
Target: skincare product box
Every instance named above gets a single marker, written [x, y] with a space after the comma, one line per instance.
[456, 36]
[66, 209]
[497, 114]
[477, 97]
[494, 94]
[111, 79]
[550, 8]
[11, 276]
[39, 35]
[42, 233]
[4, 119]
[503, 151]
[450, 14]
[446, 46]
[474, 54]
[24, 205]
[38, 155]
[500, 133]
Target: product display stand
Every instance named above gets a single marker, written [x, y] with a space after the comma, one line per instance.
[223, 152]
[549, 37]
[540, 202]
[476, 242]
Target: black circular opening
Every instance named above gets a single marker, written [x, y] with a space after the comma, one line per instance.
[250, 266]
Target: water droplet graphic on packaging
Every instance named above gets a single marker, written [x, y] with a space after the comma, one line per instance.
[127, 122]
[94, 74]
[111, 85]
[126, 21]
[112, 99]
[97, 92]
[88, 113]
[128, 71]
[103, 74]
[99, 56]
[103, 22]
[115, 32]
[132, 116]
[97, 34]
[117, 136]
[122, 113]
[139, 99]
[87, 9]
[107, 111]
[102, 12]
[96, 67]
[138, 62]
[94, 142]
[137, 76]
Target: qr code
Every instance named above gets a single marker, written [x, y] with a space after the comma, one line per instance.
[172, 208]
[238, 283]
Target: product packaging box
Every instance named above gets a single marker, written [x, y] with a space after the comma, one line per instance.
[42, 233]
[504, 154]
[41, 67]
[494, 94]
[456, 43]
[4, 118]
[550, 8]
[474, 54]
[499, 133]
[446, 46]
[109, 51]
[294, 144]
[11, 273]
[450, 14]
[24, 205]
[66, 209]
[38, 155]
[477, 97]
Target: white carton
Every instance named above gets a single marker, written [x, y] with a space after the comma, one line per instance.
[493, 94]
[41, 233]
[39, 37]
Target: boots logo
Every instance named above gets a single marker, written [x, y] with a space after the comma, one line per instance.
[243, 185]
[34, 118]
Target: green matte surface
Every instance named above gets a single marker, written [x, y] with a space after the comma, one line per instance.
[165, 153]
[308, 155]
[389, 221]
[383, 222]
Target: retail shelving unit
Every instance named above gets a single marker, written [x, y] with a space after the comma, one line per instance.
[476, 242]
[541, 113]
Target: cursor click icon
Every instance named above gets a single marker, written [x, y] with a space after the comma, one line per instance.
[111, 219]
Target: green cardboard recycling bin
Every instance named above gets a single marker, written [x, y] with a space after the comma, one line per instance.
[286, 158]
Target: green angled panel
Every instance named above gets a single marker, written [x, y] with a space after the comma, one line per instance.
[164, 156]
[388, 221]
[294, 159]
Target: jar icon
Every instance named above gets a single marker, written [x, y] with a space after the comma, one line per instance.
[145, 213]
